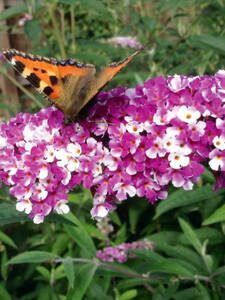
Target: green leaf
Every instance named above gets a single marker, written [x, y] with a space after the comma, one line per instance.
[32, 257]
[94, 232]
[172, 268]
[131, 294]
[210, 206]
[181, 198]
[95, 7]
[219, 272]
[121, 235]
[69, 270]
[181, 252]
[189, 294]
[213, 235]
[208, 176]
[117, 269]
[212, 42]
[9, 214]
[44, 272]
[7, 240]
[204, 294]
[13, 11]
[136, 208]
[33, 30]
[217, 216]
[148, 254]
[129, 283]
[4, 266]
[60, 244]
[83, 280]
[59, 273]
[4, 293]
[115, 218]
[164, 236]
[82, 239]
[80, 235]
[96, 290]
[67, 1]
[191, 235]
[58, 219]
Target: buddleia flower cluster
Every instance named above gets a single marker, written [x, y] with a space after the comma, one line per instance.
[125, 41]
[121, 252]
[134, 142]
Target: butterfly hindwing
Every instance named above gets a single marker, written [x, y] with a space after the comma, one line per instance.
[75, 91]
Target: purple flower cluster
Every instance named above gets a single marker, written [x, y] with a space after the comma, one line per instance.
[125, 41]
[135, 142]
[121, 252]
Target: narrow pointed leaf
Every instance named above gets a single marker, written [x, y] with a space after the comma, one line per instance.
[7, 240]
[82, 282]
[191, 235]
[32, 257]
[217, 216]
[131, 294]
[9, 214]
[69, 270]
[80, 235]
[180, 198]
[171, 268]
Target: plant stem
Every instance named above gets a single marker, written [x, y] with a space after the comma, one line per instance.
[57, 31]
[24, 90]
[111, 267]
[72, 17]
[62, 19]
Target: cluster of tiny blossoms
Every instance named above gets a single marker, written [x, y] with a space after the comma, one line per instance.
[125, 41]
[135, 142]
[121, 252]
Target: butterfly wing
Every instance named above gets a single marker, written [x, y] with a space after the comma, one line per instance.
[105, 76]
[50, 76]
[69, 85]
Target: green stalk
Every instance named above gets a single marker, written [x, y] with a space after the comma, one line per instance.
[72, 17]
[62, 18]
[24, 90]
[57, 31]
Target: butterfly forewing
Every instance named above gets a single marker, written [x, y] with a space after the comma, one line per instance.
[104, 76]
[48, 76]
[70, 85]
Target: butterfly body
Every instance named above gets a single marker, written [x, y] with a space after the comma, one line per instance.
[68, 84]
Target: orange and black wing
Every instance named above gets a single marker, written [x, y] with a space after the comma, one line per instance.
[48, 76]
[106, 75]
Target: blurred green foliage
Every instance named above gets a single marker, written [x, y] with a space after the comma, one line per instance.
[56, 260]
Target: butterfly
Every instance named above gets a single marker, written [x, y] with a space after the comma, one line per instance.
[68, 84]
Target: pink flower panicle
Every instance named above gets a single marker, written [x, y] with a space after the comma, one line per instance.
[139, 141]
[125, 41]
[121, 253]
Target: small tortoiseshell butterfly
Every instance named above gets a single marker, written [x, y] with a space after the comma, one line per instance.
[69, 85]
